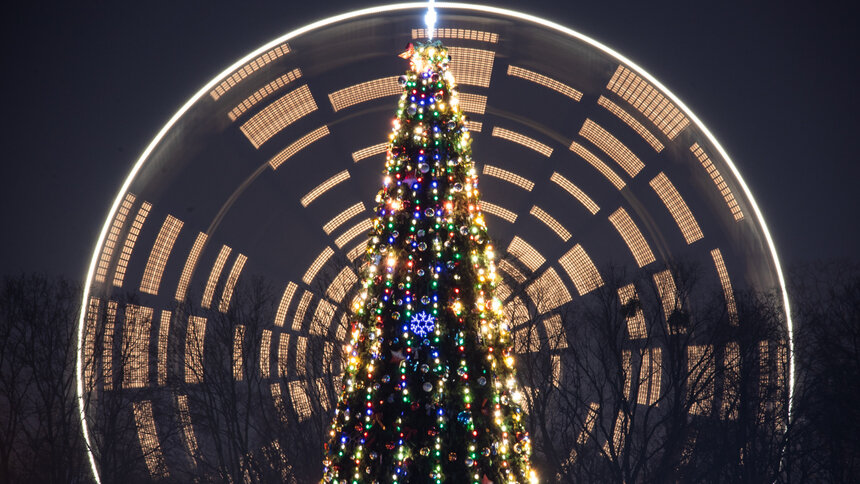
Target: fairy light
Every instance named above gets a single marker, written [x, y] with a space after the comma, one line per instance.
[428, 336]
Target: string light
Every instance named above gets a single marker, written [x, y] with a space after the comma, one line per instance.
[429, 392]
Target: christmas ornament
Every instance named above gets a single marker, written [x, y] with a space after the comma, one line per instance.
[427, 393]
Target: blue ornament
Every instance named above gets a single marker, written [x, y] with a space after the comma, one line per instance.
[464, 418]
[422, 324]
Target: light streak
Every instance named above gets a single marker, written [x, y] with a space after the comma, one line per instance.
[430, 19]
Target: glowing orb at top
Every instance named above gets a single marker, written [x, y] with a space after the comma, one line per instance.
[430, 19]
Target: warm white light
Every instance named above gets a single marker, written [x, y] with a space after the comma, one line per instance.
[430, 20]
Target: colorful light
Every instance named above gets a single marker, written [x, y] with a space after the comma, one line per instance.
[429, 338]
[422, 324]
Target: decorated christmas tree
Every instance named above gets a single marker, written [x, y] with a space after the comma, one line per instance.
[429, 393]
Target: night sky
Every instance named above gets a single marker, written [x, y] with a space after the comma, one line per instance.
[86, 88]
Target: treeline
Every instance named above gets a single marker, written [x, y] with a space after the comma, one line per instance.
[656, 388]
[718, 412]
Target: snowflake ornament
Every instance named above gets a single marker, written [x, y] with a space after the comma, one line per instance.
[422, 324]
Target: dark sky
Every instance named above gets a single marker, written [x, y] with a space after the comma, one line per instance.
[86, 88]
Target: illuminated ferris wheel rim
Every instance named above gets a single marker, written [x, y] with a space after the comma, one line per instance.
[392, 8]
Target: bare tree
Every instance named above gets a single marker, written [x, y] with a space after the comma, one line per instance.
[824, 443]
[255, 420]
[225, 392]
[115, 367]
[40, 438]
[312, 376]
[652, 382]
[617, 389]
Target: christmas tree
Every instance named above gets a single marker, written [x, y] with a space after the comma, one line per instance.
[429, 393]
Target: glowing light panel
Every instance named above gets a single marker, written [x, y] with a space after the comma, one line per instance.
[610, 145]
[163, 335]
[301, 310]
[135, 346]
[321, 259]
[281, 113]
[511, 270]
[598, 164]
[729, 294]
[128, 246]
[160, 253]
[150, 446]
[281, 313]
[629, 120]
[230, 285]
[575, 191]
[471, 67]
[718, 180]
[548, 291]
[194, 338]
[190, 264]
[633, 312]
[526, 254]
[214, 275]
[555, 332]
[465, 34]
[581, 270]
[265, 350]
[297, 146]
[369, 151]
[342, 284]
[498, 211]
[107, 345]
[113, 237]
[632, 236]
[701, 373]
[731, 371]
[362, 227]
[650, 373]
[342, 217]
[90, 343]
[322, 318]
[509, 177]
[550, 222]
[473, 103]
[249, 69]
[649, 101]
[363, 92]
[263, 93]
[522, 140]
[299, 397]
[188, 434]
[545, 81]
[677, 207]
[283, 352]
[669, 298]
[238, 350]
[356, 251]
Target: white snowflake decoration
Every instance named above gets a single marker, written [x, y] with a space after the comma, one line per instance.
[422, 324]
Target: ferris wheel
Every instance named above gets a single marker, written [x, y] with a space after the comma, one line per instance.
[227, 265]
